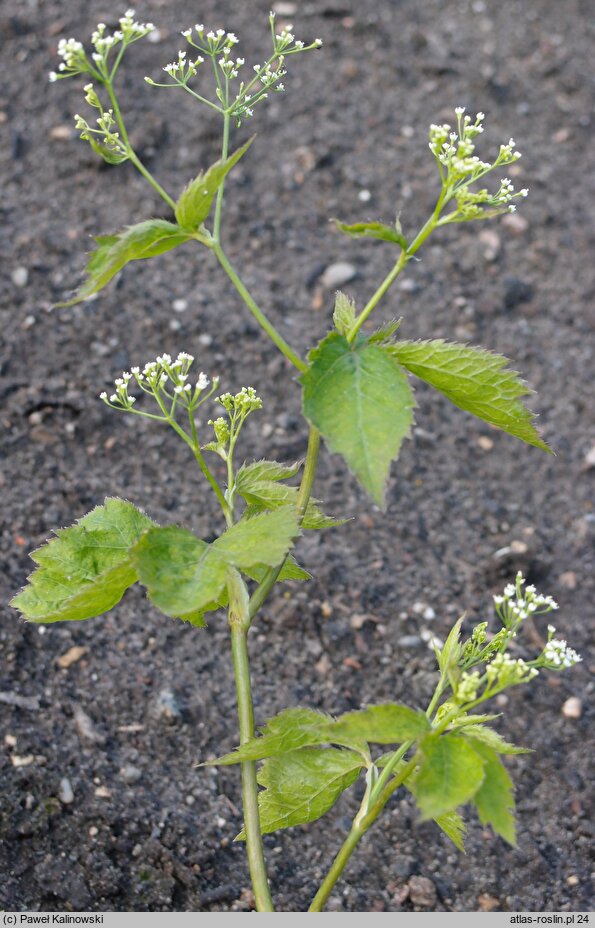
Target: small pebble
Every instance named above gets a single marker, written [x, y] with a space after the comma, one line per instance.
[284, 9]
[10, 741]
[485, 443]
[102, 792]
[155, 36]
[20, 276]
[65, 794]
[179, 306]
[568, 580]
[24, 760]
[71, 656]
[86, 727]
[93, 831]
[409, 641]
[130, 773]
[166, 706]
[487, 903]
[364, 196]
[61, 133]
[422, 891]
[589, 459]
[490, 241]
[338, 274]
[515, 224]
[205, 339]
[572, 708]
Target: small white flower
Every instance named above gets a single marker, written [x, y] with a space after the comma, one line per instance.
[459, 110]
[103, 396]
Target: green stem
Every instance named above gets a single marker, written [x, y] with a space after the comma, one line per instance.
[362, 822]
[219, 203]
[372, 806]
[404, 257]
[338, 865]
[255, 851]
[132, 154]
[227, 512]
[258, 314]
[270, 578]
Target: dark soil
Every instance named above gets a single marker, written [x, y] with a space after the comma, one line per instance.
[127, 723]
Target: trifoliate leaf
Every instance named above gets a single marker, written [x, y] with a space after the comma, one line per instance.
[344, 315]
[87, 568]
[449, 774]
[474, 380]
[144, 240]
[182, 574]
[388, 723]
[301, 786]
[358, 397]
[185, 576]
[263, 492]
[196, 199]
[492, 739]
[372, 230]
[495, 800]
[453, 826]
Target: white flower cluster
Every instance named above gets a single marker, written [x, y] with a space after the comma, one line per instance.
[516, 603]
[218, 45]
[73, 54]
[557, 655]
[285, 42]
[460, 166]
[182, 69]
[165, 379]
[74, 61]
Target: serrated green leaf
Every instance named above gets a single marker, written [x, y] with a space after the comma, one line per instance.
[492, 739]
[291, 570]
[262, 492]
[358, 397]
[448, 657]
[285, 732]
[263, 539]
[87, 568]
[264, 471]
[495, 798]
[301, 786]
[475, 380]
[385, 332]
[185, 576]
[377, 230]
[388, 723]
[196, 199]
[144, 240]
[182, 574]
[449, 774]
[344, 314]
[453, 826]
